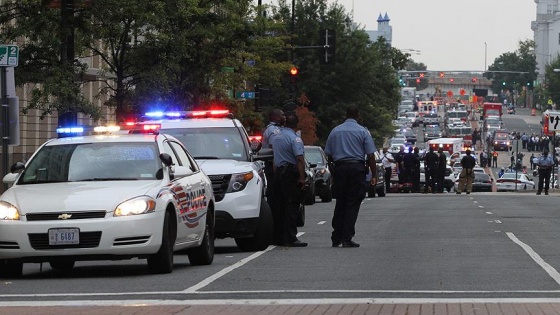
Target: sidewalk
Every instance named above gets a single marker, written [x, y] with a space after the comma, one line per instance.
[414, 307]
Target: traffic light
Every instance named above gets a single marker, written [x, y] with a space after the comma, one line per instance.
[294, 71]
[451, 80]
[328, 41]
[441, 74]
[401, 82]
[473, 79]
[418, 81]
[504, 83]
[421, 75]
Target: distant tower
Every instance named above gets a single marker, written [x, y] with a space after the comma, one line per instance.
[383, 30]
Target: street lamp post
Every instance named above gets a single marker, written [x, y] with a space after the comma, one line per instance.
[485, 54]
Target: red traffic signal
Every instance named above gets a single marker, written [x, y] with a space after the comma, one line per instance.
[417, 80]
[451, 80]
[473, 79]
[294, 71]
[421, 75]
[442, 74]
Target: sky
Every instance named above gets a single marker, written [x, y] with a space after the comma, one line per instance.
[451, 34]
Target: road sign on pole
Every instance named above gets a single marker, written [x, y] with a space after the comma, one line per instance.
[245, 94]
[554, 123]
[9, 55]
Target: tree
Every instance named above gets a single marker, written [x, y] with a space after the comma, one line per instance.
[56, 77]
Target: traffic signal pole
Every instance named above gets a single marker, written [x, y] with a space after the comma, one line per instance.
[5, 123]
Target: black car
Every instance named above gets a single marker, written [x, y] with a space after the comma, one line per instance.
[432, 132]
[501, 140]
[322, 174]
[482, 182]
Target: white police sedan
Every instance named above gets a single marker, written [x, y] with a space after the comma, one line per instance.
[106, 198]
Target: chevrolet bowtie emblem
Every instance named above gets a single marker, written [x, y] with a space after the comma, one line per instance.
[64, 216]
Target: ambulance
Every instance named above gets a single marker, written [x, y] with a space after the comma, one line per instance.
[448, 144]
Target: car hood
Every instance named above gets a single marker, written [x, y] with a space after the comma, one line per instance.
[75, 196]
[217, 167]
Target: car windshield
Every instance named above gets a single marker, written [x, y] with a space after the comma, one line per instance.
[501, 136]
[314, 156]
[93, 162]
[212, 143]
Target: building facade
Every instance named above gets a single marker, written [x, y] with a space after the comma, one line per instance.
[383, 30]
[546, 30]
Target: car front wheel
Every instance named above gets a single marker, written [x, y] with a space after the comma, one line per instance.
[162, 261]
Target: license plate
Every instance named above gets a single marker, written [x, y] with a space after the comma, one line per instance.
[64, 236]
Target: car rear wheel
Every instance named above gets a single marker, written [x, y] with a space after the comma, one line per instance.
[162, 261]
[263, 235]
[204, 254]
[62, 264]
[327, 197]
[381, 191]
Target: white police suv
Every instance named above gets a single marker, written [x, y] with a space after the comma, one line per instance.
[106, 198]
[221, 146]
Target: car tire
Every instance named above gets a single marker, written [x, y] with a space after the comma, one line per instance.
[11, 269]
[263, 235]
[327, 197]
[382, 192]
[62, 264]
[310, 196]
[162, 261]
[370, 191]
[204, 254]
[301, 216]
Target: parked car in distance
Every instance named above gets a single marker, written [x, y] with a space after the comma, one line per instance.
[509, 182]
[379, 187]
[482, 182]
[323, 176]
[432, 132]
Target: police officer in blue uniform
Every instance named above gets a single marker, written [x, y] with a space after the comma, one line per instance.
[545, 162]
[348, 145]
[277, 120]
[289, 182]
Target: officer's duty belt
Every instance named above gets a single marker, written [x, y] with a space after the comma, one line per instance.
[343, 162]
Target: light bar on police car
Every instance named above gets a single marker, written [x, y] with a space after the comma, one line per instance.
[70, 130]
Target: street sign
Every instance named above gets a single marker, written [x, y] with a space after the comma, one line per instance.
[554, 123]
[245, 94]
[9, 55]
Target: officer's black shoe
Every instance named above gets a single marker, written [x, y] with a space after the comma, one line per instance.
[350, 244]
[468, 192]
[297, 243]
[458, 193]
[538, 193]
[336, 244]
[546, 192]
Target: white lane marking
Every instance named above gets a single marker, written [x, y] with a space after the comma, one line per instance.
[481, 207]
[498, 221]
[322, 222]
[536, 257]
[229, 269]
[475, 201]
[144, 303]
[488, 212]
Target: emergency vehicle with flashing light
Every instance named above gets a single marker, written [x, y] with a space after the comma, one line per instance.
[221, 146]
[448, 144]
[106, 197]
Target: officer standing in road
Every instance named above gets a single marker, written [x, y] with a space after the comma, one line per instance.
[545, 163]
[467, 174]
[277, 119]
[387, 160]
[347, 145]
[289, 182]
[442, 166]
[430, 170]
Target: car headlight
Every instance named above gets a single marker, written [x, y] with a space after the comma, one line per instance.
[8, 211]
[135, 206]
[238, 182]
[320, 172]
